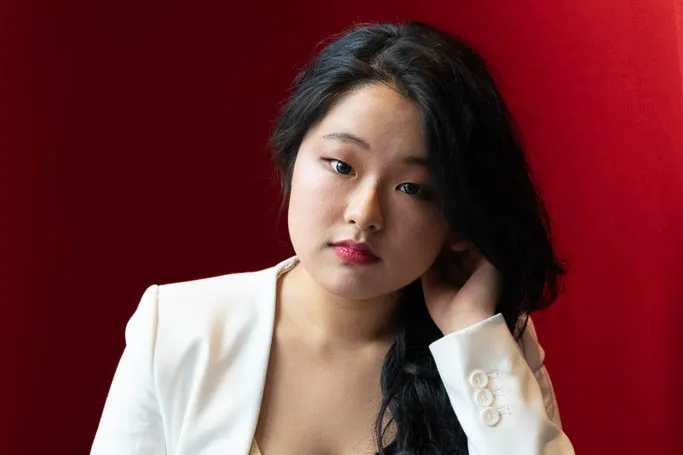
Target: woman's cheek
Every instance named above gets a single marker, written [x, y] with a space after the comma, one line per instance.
[430, 228]
[318, 192]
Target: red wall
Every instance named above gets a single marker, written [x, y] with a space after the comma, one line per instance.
[132, 148]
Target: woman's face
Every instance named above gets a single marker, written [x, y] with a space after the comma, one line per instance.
[361, 174]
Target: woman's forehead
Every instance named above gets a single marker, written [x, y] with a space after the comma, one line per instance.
[374, 117]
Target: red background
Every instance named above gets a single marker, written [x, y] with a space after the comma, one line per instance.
[132, 147]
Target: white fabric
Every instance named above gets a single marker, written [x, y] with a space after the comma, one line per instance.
[191, 378]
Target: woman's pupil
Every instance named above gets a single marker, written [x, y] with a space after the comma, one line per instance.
[344, 165]
[414, 186]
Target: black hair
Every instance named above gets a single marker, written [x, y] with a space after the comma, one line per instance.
[483, 185]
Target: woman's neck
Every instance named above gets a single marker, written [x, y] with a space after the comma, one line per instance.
[330, 321]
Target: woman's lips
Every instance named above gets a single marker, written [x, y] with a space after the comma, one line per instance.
[353, 256]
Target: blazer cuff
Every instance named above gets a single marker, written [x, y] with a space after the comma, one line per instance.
[494, 393]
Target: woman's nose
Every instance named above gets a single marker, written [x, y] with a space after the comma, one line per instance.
[365, 209]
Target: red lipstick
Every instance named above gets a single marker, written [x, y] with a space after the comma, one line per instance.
[355, 253]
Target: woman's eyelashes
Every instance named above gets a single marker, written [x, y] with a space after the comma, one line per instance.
[413, 189]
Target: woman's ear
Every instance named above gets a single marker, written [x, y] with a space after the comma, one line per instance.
[456, 243]
[461, 245]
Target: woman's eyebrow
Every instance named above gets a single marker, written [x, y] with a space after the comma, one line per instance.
[350, 138]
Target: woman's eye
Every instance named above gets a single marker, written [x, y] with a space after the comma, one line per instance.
[410, 188]
[341, 167]
[413, 189]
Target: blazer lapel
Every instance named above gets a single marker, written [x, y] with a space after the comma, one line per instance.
[263, 327]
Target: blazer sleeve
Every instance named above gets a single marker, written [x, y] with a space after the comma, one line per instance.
[131, 421]
[504, 401]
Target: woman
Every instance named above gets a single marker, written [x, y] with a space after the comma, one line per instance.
[401, 324]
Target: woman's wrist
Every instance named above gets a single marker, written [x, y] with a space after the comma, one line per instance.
[464, 320]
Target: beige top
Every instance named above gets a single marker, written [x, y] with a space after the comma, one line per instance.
[254, 448]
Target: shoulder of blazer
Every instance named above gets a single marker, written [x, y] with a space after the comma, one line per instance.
[212, 316]
[222, 291]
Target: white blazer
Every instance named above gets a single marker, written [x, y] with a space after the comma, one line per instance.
[191, 377]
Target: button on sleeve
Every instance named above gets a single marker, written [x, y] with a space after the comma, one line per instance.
[479, 379]
[484, 397]
[490, 416]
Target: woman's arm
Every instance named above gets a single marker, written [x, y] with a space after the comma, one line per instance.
[131, 421]
[504, 407]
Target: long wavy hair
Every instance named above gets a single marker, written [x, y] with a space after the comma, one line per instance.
[483, 184]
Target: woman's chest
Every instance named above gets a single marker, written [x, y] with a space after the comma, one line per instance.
[319, 405]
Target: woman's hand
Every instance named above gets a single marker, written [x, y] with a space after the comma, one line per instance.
[461, 288]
